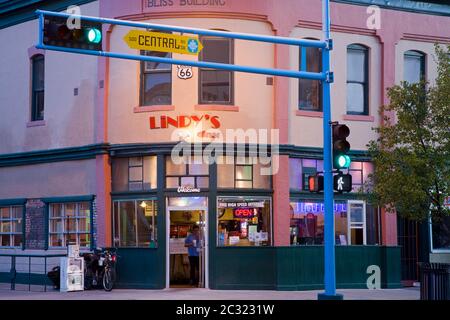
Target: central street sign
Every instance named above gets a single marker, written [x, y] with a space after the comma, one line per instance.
[163, 42]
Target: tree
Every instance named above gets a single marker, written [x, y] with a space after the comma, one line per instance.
[412, 153]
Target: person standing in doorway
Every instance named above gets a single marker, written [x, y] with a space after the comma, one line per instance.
[193, 244]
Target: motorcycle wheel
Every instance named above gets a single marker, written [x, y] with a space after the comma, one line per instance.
[108, 279]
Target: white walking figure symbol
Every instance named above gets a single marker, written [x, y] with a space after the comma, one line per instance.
[340, 183]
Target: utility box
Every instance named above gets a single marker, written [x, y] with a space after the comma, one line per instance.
[72, 271]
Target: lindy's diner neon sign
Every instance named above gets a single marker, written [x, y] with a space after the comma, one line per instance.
[183, 121]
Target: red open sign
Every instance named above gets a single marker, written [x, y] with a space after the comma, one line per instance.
[244, 213]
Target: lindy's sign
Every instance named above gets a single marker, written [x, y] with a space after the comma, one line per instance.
[163, 42]
[164, 122]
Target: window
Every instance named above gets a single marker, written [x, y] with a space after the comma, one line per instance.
[37, 87]
[187, 174]
[134, 174]
[440, 232]
[244, 221]
[351, 225]
[156, 80]
[134, 223]
[70, 223]
[307, 222]
[414, 67]
[310, 91]
[246, 173]
[11, 226]
[357, 80]
[300, 169]
[216, 86]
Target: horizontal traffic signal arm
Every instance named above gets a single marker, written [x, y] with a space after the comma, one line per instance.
[321, 76]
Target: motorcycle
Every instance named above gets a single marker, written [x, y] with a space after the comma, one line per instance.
[100, 268]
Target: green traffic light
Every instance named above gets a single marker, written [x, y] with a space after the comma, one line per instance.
[343, 161]
[94, 35]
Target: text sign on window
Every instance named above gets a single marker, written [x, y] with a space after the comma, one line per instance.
[244, 213]
[259, 204]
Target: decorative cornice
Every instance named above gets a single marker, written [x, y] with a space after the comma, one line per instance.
[139, 149]
[202, 14]
[403, 5]
[53, 155]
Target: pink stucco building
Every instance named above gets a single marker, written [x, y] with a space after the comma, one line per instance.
[85, 142]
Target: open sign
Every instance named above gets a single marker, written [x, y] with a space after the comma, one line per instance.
[244, 213]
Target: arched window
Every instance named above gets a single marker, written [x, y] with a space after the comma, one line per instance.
[310, 91]
[414, 66]
[357, 79]
[216, 86]
[37, 87]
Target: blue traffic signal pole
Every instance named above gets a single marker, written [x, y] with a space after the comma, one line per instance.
[326, 77]
[329, 241]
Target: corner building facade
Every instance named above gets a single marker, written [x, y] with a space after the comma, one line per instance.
[85, 154]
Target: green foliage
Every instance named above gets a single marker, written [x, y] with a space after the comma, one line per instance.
[412, 152]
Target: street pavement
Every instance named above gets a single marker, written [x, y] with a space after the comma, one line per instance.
[412, 293]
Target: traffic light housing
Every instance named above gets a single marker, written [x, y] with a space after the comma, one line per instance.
[341, 146]
[57, 33]
[315, 183]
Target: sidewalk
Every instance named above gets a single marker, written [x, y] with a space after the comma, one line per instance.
[206, 294]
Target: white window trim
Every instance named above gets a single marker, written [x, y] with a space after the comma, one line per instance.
[349, 226]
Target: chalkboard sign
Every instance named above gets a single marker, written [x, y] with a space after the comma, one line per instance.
[35, 225]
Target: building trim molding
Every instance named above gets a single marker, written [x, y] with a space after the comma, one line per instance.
[139, 149]
[53, 155]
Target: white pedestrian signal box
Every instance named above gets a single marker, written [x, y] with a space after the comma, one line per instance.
[342, 182]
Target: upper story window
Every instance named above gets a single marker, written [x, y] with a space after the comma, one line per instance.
[216, 86]
[134, 174]
[414, 66]
[310, 97]
[156, 81]
[37, 87]
[242, 173]
[186, 174]
[300, 169]
[357, 79]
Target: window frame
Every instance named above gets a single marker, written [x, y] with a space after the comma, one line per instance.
[136, 201]
[11, 233]
[77, 217]
[422, 56]
[246, 162]
[352, 225]
[365, 84]
[320, 106]
[430, 235]
[232, 78]
[187, 174]
[34, 104]
[143, 76]
[247, 198]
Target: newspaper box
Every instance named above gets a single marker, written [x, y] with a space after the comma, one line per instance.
[72, 271]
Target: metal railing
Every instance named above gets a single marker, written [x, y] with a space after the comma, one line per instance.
[13, 274]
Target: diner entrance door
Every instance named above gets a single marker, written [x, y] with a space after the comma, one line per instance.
[186, 266]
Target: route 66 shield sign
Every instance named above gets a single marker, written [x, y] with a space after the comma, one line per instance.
[184, 72]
